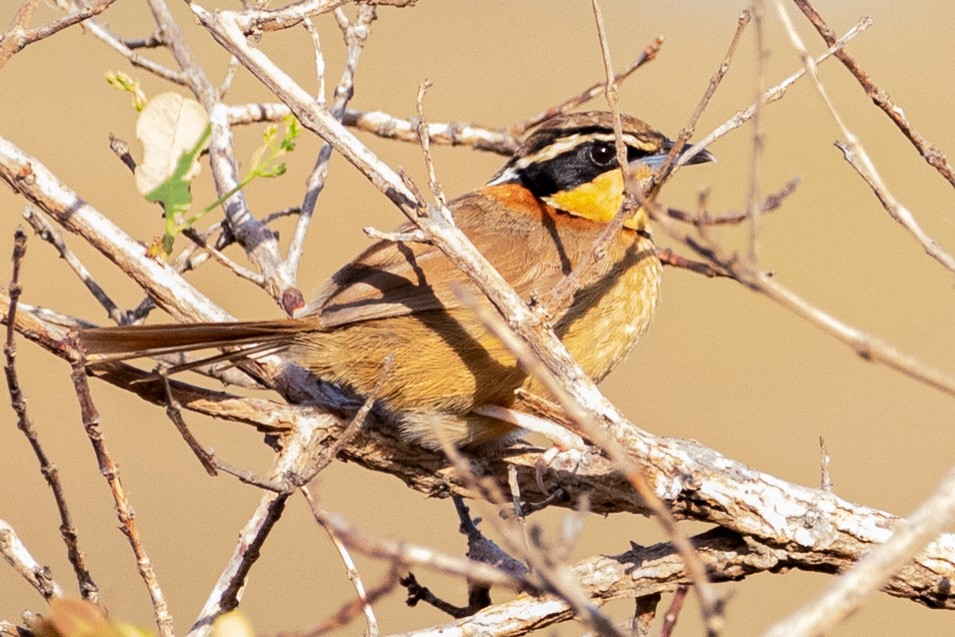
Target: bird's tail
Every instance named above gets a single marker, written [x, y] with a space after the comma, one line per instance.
[104, 344]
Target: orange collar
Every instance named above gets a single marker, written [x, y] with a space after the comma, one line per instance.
[515, 197]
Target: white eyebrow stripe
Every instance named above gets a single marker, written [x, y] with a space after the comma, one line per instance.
[565, 144]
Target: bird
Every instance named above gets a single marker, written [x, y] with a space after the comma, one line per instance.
[534, 221]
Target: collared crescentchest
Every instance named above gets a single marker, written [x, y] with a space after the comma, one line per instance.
[534, 221]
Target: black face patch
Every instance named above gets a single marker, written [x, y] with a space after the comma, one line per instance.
[577, 166]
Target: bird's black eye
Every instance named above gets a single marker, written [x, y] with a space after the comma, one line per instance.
[602, 153]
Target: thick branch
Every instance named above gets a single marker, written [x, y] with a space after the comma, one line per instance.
[799, 526]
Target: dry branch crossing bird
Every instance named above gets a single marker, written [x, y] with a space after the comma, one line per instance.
[534, 221]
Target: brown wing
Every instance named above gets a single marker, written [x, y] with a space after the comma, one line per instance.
[396, 279]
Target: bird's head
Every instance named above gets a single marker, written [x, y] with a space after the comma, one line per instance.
[570, 163]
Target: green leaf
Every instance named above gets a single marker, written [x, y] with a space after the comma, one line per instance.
[173, 130]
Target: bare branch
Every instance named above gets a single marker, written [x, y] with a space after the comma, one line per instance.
[116, 43]
[591, 92]
[848, 592]
[49, 233]
[364, 599]
[674, 159]
[255, 20]
[356, 34]
[290, 465]
[389, 127]
[637, 573]
[673, 612]
[862, 163]
[18, 556]
[753, 197]
[88, 588]
[31, 179]
[406, 553]
[18, 38]
[258, 240]
[856, 155]
[775, 93]
[932, 155]
[110, 471]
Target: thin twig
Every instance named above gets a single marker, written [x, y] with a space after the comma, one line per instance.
[422, 129]
[220, 257]
[110, 471]
[227, 592]
[825, 479]
[51, 235]
[867, 346]
[12, 40]
[591, 92]
[352, 609]
[364, 600]
[415, 235]
[519, 512]
[417, 593]
[387, 126]
[673, 612]
[772, 202]
[152, 41]
[116, 43]
[312, 31]
[356, 35]
[256, 20]
[228, 78]
[859, 159]
[88, 588]
[17, 38]
[753, 198]
[174, 414]
[407, 553]
[668, 257]
[932, 155]
[674, 158]
[775, 93]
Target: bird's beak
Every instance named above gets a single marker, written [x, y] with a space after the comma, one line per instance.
[656, 160]
[702, 157]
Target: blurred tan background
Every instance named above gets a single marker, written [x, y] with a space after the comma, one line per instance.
[720, 364]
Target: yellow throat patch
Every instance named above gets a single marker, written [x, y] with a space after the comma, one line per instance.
[600, 199]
